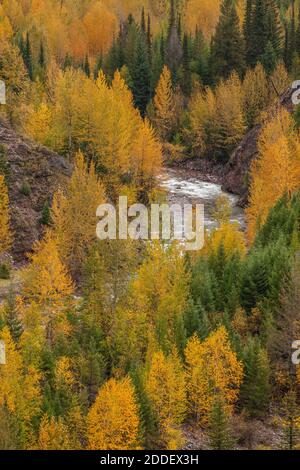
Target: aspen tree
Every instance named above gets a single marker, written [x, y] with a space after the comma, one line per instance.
[113, 420]
[5, 233]
[164, 104]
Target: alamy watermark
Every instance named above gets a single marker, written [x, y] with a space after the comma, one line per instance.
[158, 222]
[2, 92]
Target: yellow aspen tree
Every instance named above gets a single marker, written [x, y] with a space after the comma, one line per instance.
[5, 233]
[19, 387]
[74, 214]
[164, 104]
[38, 123]
[212, 368]
[53, 434]
[228, 126]
[100, 23]
[160, 292]
[229, 236]
[279, 80]
[6, 31]
[255, 91]
[33, 337]
[66, 94]
[47, 282]
[147, 159]
[276, 170]
[15, 76]
[113, 420]
[202, 109]
[166, 389]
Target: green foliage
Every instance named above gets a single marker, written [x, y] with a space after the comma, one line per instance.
[220, 435]
[25, 189]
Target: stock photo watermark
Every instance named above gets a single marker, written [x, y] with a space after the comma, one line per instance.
[2, 92]
[159, 222]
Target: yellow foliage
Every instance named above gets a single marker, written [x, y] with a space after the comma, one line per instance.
[38, 123]
[255, 94]
[212, 368]
[276, 171]
[100, 24]
[227, 235]
[113, 420]
[19, 387]
[166, 389]
[164, 104]
[74, 214]
[5, 234]
[53, 434]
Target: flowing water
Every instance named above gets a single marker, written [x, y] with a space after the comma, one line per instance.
[187, 187]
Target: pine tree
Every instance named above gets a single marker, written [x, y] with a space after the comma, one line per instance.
[219, 429]
[173, 49]
[42, 60]
[248, 32]
[143, 22]
[12, 316]
[187, 77]
[86, 67]
[140, 74]
[255, 391]
[290, 421]
[228, 50]
[28, 57]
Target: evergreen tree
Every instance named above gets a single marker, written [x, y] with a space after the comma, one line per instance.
[149, 39]
[219, 431]
[98, 66]
[140, 75]
[12, 319]
[42, 60]
[255, 391]
[46, 214]
[187, 76]
[143, 22]
[86, 67]
[173, 49]
[28, 57]
[228, 49]
[290, 421]
[248, 32]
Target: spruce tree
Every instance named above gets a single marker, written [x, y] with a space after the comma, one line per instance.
[187, 76]
[86, 67]
[220, 436]
[228, 49]
[255, 391]
[42, 60]
[141, 76]
[173, 49]
[11, 316]
[143, 22]
[248, 32]
[27, 56]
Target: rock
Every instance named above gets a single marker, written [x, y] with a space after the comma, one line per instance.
[43, 172]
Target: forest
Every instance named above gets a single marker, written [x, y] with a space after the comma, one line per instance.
[126, 344]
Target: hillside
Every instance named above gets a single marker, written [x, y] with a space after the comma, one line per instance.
[37, 172]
